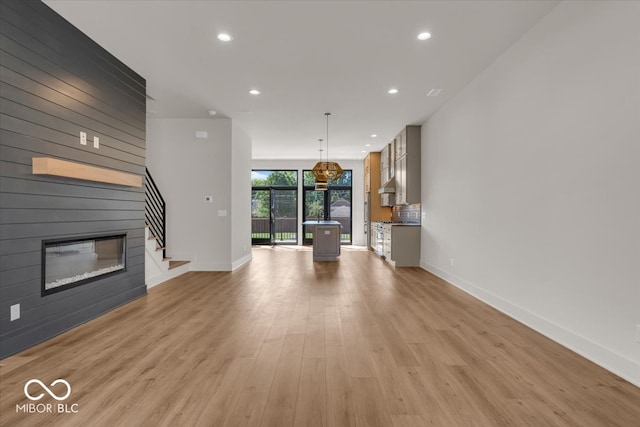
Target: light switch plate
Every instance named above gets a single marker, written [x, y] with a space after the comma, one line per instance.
[222, 212]
[15, 312]
[96, 142]
[83, 138]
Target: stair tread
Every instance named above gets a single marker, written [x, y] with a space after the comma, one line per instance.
[167, 258]
[174, 264]
[160, 248]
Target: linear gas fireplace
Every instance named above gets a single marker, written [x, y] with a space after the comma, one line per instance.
[72, 262]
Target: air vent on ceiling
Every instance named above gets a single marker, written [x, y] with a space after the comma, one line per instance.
[434, 92]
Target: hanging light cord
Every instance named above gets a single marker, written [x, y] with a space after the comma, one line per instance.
[327, 115]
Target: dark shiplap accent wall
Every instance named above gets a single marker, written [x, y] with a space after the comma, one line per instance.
[56, 82]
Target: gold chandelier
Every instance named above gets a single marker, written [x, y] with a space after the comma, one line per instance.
[320, 185]
[326, 171]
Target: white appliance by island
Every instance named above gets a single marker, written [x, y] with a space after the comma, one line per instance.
[326, 239]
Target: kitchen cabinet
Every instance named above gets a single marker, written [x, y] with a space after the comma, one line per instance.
[387, 234]
[387, 162]
[384, 159]
[398, 244]
[404, 245]
[401, 179]
[392, 158]
[326, 239]
[387, 171]
[407, 166]
[401, 144]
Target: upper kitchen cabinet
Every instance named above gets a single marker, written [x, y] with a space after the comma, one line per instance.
[407, 170]
[401, 144]
[387, 172]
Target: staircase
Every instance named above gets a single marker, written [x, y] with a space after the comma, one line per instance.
[157, 267]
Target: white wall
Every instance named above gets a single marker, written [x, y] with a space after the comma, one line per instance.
[531, 183]
[357, 204]
[241, 200]
[187, 169]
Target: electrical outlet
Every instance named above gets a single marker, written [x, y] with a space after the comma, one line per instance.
[96, 142]
[15, 312]
[83, 138]
[451, 262]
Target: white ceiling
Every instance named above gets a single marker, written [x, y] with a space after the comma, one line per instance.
[306, 58]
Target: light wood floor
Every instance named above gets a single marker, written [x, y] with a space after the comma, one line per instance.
[283, 341]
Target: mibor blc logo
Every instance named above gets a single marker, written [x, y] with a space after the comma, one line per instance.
[47, 389]
[55, 391]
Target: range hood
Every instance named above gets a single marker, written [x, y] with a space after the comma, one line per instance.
[388, 187]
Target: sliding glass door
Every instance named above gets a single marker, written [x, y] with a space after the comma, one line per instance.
[284, 211]
[274, 207]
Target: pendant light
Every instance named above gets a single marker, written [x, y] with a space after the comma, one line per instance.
[326, 171]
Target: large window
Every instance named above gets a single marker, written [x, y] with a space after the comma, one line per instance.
[333, 204]
[274, 207]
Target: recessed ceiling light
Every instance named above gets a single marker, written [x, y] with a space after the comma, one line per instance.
[367, 145]
[373, 135]
[254, 92]
[224, 37]
[424, 36]
[393, 91]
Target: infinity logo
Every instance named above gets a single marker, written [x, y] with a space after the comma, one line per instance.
[52, 394]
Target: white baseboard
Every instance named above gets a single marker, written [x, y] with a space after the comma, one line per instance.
[212, 266]
[237, 263]
[606, 358]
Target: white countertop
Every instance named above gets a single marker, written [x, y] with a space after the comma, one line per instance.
[321, 223]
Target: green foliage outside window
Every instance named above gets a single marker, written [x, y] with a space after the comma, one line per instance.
[274, 178]
[344, 180]
[285, 201]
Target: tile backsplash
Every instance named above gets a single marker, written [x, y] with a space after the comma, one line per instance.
[409, 214]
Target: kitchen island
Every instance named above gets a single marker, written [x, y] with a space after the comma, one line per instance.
[326, 239]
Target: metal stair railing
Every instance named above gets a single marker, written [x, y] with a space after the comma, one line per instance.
[155, 212]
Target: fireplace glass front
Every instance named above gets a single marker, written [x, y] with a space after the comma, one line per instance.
[69, 263]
